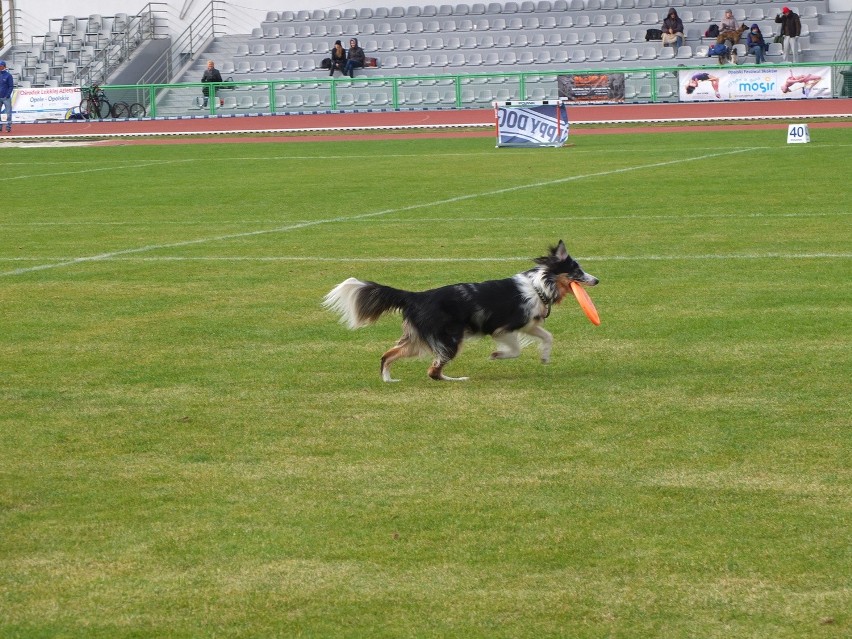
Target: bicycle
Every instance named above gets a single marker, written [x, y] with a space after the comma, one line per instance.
[94, 103]
[125, 110]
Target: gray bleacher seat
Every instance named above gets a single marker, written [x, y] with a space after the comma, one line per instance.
[630, 54]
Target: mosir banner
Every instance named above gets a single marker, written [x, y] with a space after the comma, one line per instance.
[777, 83]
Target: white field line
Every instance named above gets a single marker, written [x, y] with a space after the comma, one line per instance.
[339, 219]
[451, 260]
[118, 167]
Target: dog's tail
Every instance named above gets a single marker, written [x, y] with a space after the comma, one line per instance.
[361, 303]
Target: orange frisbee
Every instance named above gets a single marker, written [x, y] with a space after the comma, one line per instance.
[586, 303]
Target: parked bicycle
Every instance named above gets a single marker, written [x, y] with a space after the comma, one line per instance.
[125, 110]
[95, 104]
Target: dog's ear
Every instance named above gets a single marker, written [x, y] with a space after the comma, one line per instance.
[560, 252]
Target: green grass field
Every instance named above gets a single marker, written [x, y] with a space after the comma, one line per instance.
[191, 446]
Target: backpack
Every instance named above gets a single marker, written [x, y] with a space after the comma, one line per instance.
[717, 49]
[712, 32]
[326, 63]
[653, 34]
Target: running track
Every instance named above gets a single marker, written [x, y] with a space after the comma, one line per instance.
[441, 122]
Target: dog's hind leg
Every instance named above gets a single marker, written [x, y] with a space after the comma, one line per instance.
[546, 338]
[445, 350]
[436, 372]
[389, 358]
[405, 347]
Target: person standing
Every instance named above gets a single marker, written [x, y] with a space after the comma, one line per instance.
[7, 85]
[211, 74]
[791, 28]
[354, 58]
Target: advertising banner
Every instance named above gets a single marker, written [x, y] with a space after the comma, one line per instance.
[531, 123]
[783, 83]
[604, 87]
[45, 103]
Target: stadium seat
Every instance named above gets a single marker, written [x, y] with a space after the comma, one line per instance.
[630, 54]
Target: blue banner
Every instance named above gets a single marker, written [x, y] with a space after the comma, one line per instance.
[531, 123]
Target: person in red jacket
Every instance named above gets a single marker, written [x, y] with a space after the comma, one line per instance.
[791, 28]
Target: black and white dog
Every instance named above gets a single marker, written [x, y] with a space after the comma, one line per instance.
[437, 321]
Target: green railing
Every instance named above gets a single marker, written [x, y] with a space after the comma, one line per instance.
[643, 85]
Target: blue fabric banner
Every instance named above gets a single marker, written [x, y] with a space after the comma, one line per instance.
[531, 123]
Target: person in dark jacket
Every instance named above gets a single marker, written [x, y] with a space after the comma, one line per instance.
[338, 58]
[756, 44]
[791, 28]
[354, 58]
[211, 74]
[7, 85]
[673, 30]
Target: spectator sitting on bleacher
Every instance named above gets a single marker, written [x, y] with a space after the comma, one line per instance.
[729, 22]
[211, 74]
[756, 44]
[338, 58]
[354, 58]
[673, 30]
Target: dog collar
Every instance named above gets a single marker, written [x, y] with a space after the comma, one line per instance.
[548, 304]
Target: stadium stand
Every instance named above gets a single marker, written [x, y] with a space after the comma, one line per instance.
[421, 40]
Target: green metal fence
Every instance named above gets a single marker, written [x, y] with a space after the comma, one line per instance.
[469, 90]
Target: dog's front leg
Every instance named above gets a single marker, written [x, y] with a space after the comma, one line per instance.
[546, 341]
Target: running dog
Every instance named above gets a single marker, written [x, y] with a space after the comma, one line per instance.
[437, 321]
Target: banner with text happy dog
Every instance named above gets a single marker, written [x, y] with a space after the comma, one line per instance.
[531, 123]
